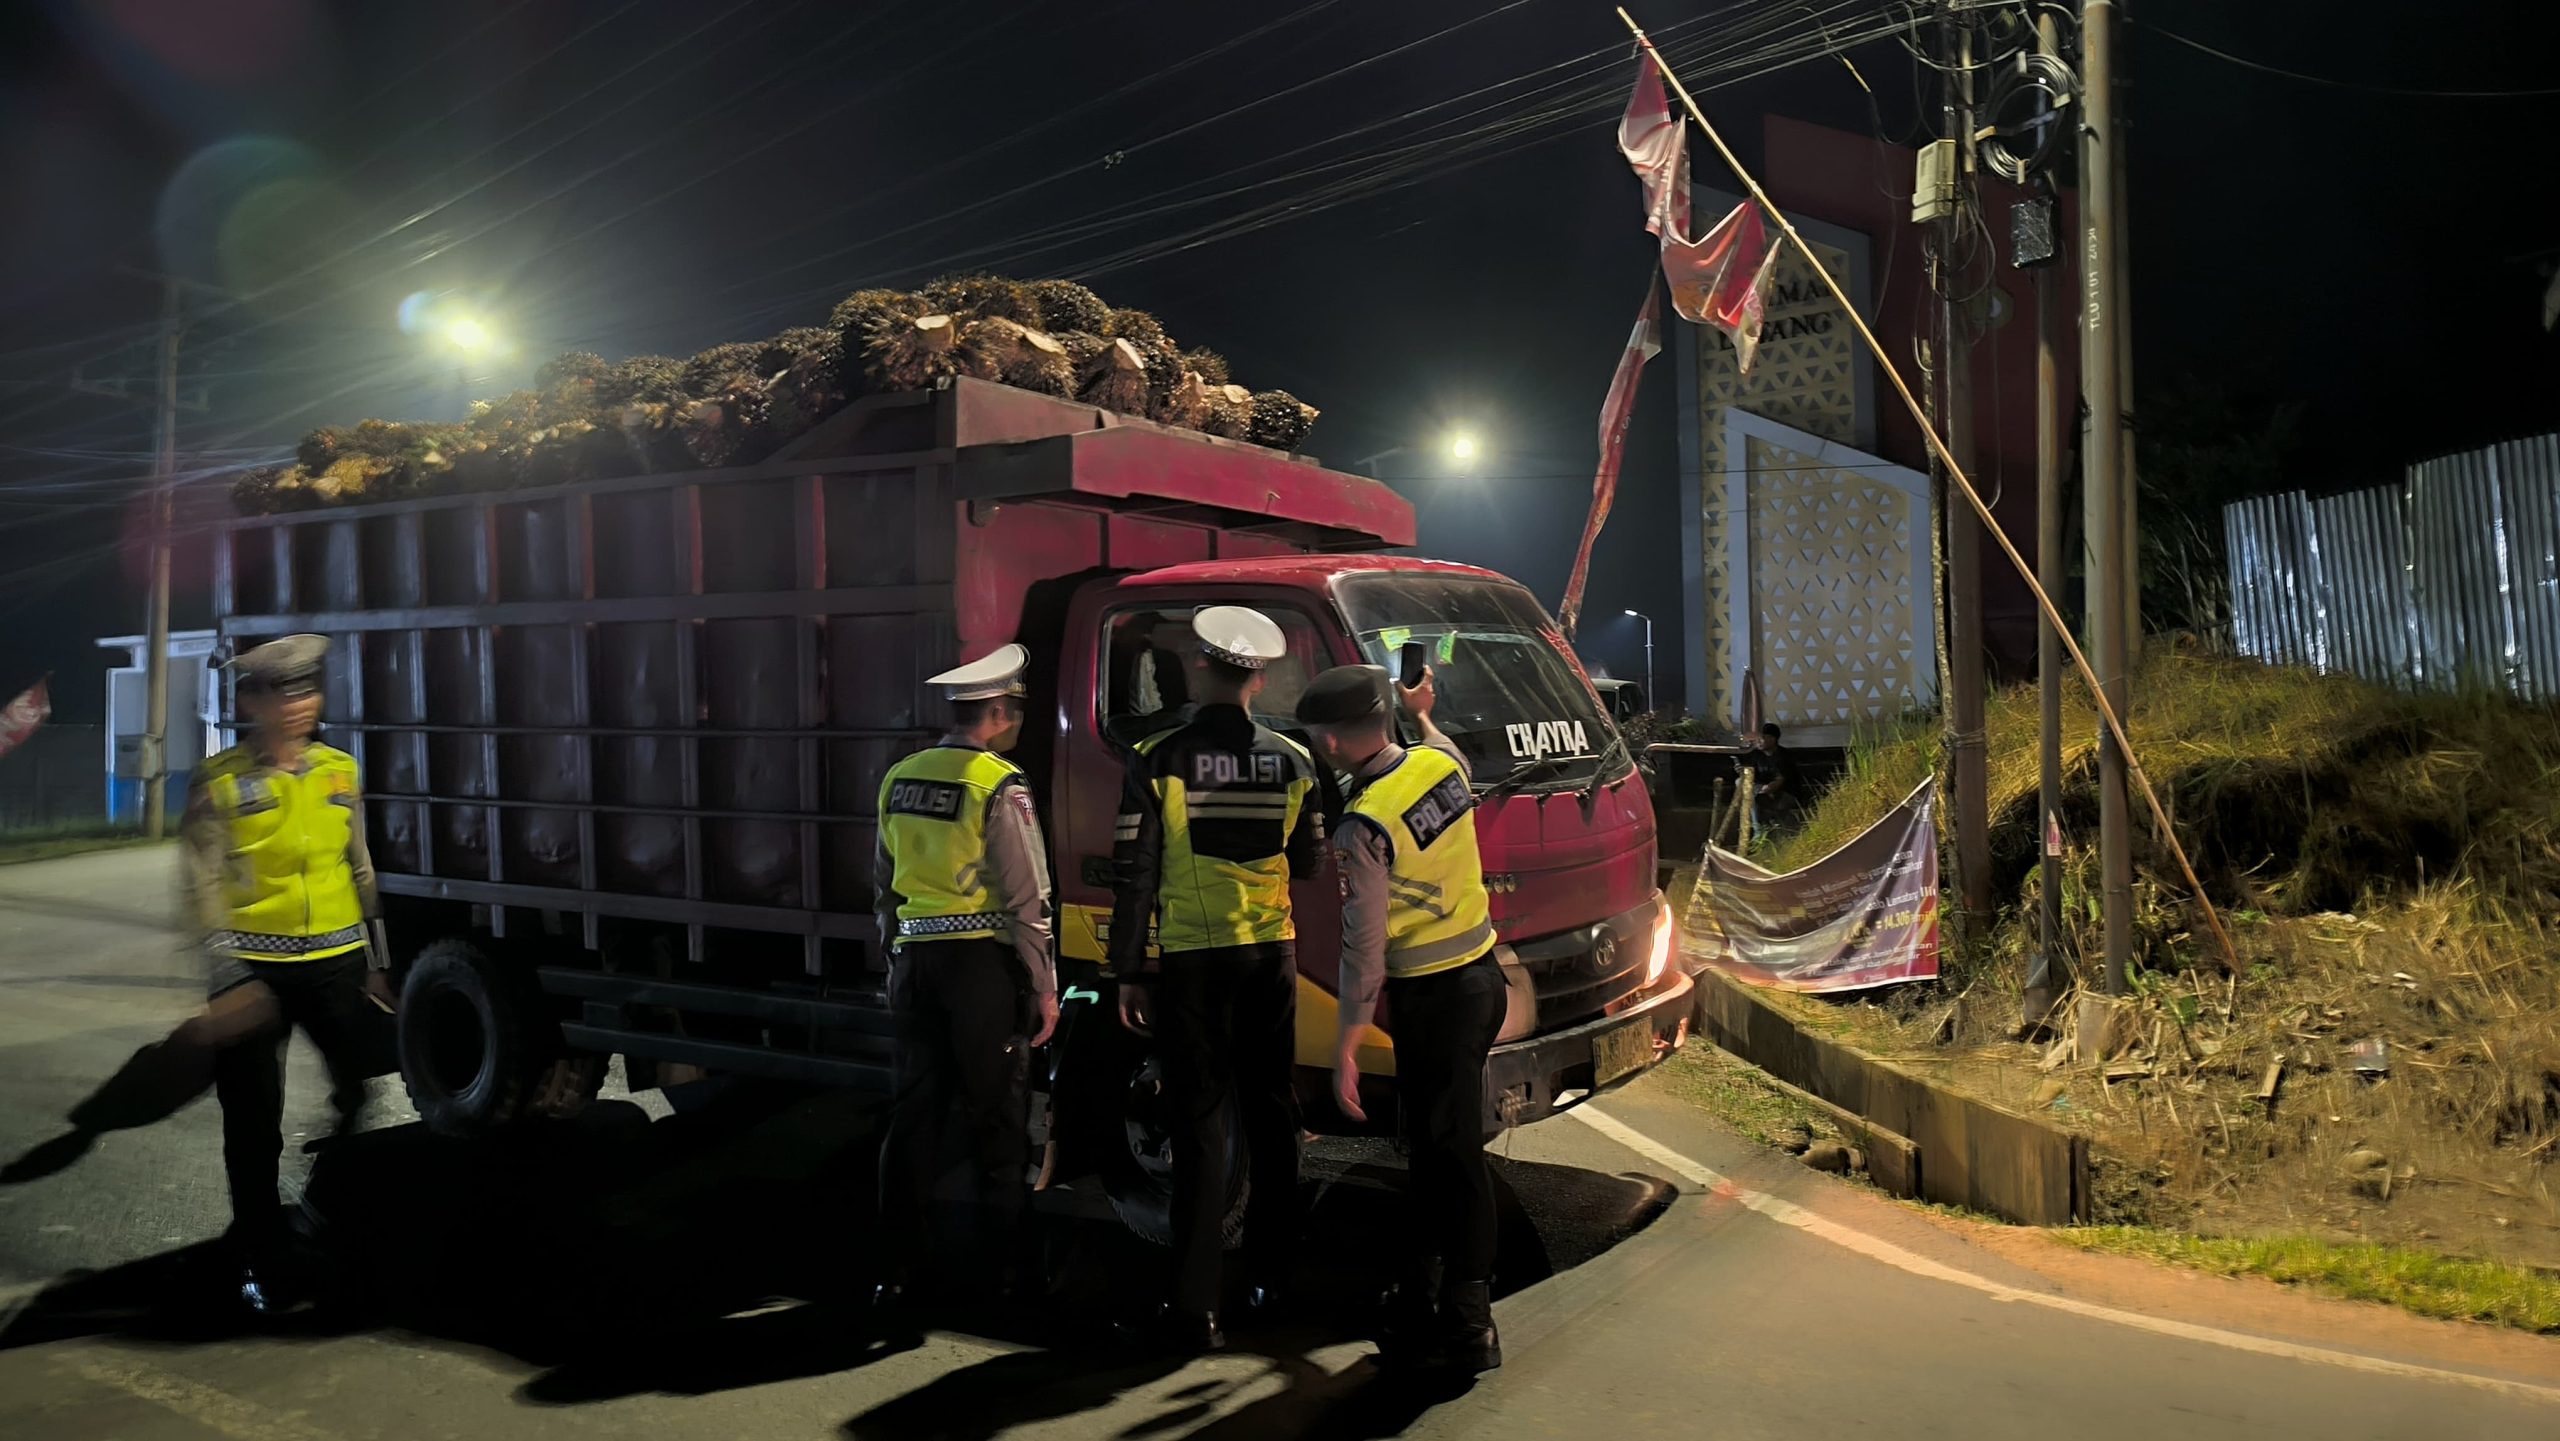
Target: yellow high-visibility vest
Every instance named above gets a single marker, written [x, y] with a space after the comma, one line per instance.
[291, 889]
[933, 823]
[1438, 915]
[1230, 886]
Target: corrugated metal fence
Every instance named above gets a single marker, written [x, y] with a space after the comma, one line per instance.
[56, 778]
[2448, 581]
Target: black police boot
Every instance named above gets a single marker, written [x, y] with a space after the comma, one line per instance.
[1412, 1318]
[1467, 1341]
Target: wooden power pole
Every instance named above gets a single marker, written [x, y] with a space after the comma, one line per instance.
[164, 473]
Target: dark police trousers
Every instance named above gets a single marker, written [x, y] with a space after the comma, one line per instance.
[1226, 1027]
[1443, 1026]
[963, 1077]
[326, 999]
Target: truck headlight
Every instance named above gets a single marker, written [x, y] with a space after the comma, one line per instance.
[1660, 960]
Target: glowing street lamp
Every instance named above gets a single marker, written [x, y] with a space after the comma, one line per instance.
[469, 335]
[1462, 447]
[1651, 701]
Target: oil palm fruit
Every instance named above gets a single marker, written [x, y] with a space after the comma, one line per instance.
[1279, 420]
[1066, 306]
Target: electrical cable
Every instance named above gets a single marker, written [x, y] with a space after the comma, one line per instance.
[2402, 92]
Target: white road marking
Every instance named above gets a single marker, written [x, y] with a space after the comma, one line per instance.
[1787, 1213]
[211, 1407]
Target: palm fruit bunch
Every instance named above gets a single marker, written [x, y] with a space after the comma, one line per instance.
[855, 318]
[1228, 411]
[912, 354]
[641, 380]
[995, 348]
[1209, 365]
[738, 403]
[983, 297]
[804, 377]
[1279, 420]
[1066, 306]
[1116, 379]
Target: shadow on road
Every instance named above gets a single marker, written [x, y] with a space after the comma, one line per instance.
[726, 1248]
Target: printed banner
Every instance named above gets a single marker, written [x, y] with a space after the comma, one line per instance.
[20, 718]
[1865, 915]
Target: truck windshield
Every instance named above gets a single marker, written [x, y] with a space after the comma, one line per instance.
[1508, 697]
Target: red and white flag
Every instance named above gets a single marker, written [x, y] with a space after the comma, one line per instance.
[1722, 278]
[31, 709]
[1656, 144]
[1642, 345]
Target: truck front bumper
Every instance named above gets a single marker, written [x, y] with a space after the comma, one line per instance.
[1532, 1079]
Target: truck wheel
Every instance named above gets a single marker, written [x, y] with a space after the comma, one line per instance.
[474, 1040]
[1138, 1173]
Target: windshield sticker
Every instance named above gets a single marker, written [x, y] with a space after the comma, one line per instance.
[1532, 740]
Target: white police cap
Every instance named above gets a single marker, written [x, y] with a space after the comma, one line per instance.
[998, 672]
[287, 663]
[1239, 636]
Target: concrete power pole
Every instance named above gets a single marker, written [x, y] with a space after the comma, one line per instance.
[2047, 976]
[164, 470]
[1967, 750]
[2102, 461]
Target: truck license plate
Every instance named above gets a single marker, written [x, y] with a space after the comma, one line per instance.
[1621, 1052]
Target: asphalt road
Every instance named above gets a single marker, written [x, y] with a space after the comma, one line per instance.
[675, 1276]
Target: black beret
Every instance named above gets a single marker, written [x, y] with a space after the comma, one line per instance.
[1344, 694]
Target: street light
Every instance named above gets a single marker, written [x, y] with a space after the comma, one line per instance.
[468, 335]
[1460, 446]
[1651, 702]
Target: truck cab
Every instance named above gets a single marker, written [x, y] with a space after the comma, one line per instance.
[1565, 828]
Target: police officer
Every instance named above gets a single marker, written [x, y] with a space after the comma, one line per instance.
[964, 904]
[280, 885]
[1415, 916]
[1217, 815]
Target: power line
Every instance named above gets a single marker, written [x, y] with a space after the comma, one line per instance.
[2403, 92]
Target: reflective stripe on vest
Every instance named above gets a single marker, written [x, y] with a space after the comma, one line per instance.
[291, 892]
[933, 823]
[1223, 879]
[1438, 916]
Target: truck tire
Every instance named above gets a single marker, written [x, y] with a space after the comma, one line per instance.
[1137, 1174]
[474, 1039]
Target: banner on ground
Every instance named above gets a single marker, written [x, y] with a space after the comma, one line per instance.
[19, 719]
[1865, 915]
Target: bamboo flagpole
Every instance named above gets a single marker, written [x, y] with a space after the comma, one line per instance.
[1963, 484]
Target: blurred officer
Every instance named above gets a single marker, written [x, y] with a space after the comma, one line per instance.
[279, 882]
[1217, 815]
[1416, 916]
[964, 903]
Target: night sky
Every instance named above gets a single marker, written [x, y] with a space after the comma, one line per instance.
[1409, 214]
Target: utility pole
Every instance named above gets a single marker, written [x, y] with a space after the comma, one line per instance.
[2104, 502]
[2046, 975]
[2119, 146]
[164, 471]
[1967, 751]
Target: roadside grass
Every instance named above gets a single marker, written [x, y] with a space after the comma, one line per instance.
[51, 842]
[2447, 1288]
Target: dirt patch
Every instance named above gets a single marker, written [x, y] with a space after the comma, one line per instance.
[2384, 1062]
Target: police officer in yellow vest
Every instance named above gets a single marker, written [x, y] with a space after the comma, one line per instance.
[1218, 814]
[281, 886]
[1416, 919]
[963, 901]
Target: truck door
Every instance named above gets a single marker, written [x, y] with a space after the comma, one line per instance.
[1136, 646]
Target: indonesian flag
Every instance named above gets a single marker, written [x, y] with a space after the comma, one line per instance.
[31, 709]
[1722, 279]
[1656, 144]
[1642, 345]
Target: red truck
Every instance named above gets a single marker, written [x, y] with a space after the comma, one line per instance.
[621, 742]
